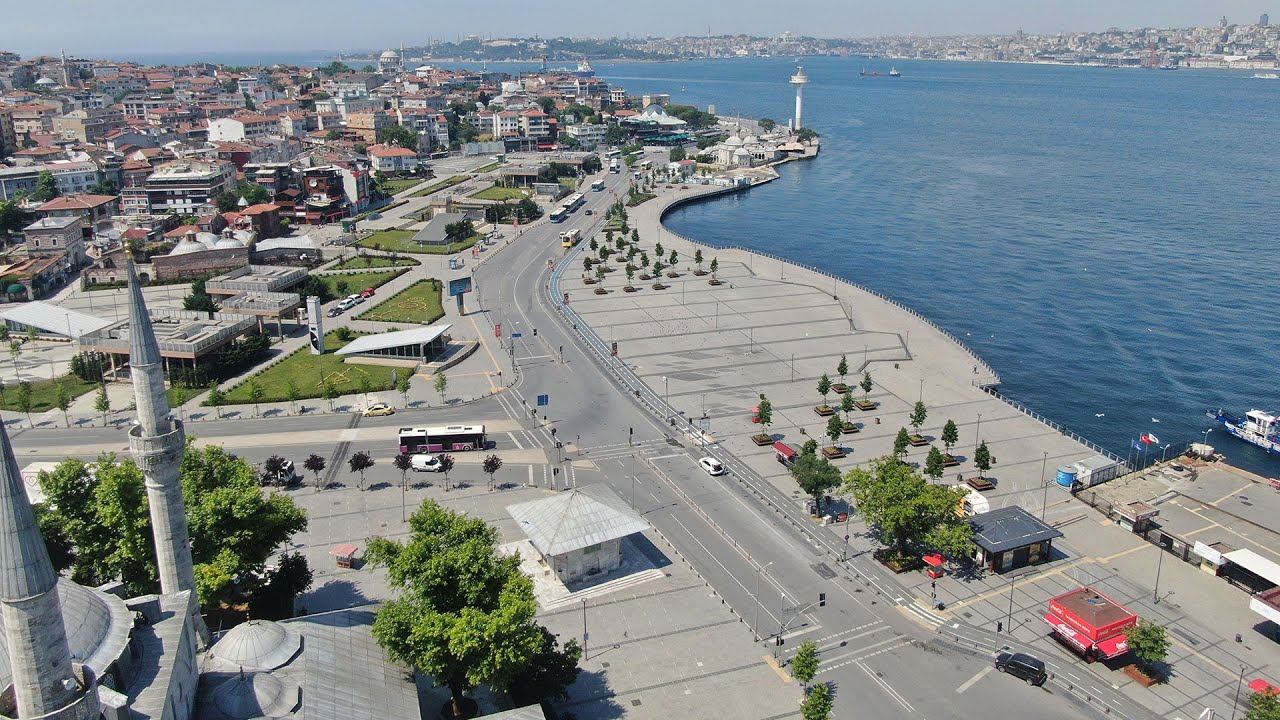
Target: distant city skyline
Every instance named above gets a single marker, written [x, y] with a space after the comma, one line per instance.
[149, 27]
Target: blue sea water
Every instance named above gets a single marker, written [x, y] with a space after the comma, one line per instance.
[1105, 239]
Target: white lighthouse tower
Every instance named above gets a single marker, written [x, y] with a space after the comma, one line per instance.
[800, 79]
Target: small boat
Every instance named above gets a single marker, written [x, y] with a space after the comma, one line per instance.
[893, 72]
[1266, 76]
[1257, 427]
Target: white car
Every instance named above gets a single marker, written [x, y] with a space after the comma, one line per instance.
[355, 299]
[712, 466]
[425, 463]
[346, 304]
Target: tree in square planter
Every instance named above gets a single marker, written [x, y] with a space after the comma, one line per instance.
[983, 459]
[587, 263]
[824, 387]
[644, 266]
[631, 273]
[657, 250]
[765, 418]
[866, 385]
[715, 266]
[600, 278]
[672, 260]
[950, 436]
[697, 263]
[815, 476]
[901, 442]
[835, 428]
[1150, 645]
[933, 465]
[842, 369]
[919, 414]
[847, 405]
[657, 275]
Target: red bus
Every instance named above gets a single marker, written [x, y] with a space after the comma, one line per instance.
[453, 438]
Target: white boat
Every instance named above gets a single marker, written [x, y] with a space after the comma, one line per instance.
[1267, 76]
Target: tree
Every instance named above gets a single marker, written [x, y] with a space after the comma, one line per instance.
[341, 287]
[715, 266]
[359, 463]
[334, 68]
[818, 703]
[835, 426]
[805, 134]
[587, 262]
[900, 506]
[950, 435]
[256, 394]
[1149, 643]
[768, 124]
[491, 465]
[983, 459]
[765, 412]
[615, 135]
[824, 387]
[657, 250]
[549, 674]
[446, 465]
[847, 405]
[314, 464]
[292, 393]
[403, 463]
[901, 442]
[234, 526]
[804, 666]
[333, 135]
[181, 394]
[15, 347]
[919, 413]
[441, 384]
[697, 259]
[275, 599]
[365, 385]
[842, 368]
[815, 476]
[635, 235]
[403, 385]
[866, 385]
[630, 270]
[46, 187]
[102, 403]
[644, 259]
[464, 613]
[1263, 706]
[329, 392]
[658, 267]
[600, 273]
[63, 403]
[11, 219]
[32, 334]
[273, 468]
[810, 447]
[677, 154]
[933, 464]
[672, 259]
[24, 400]
[399, 136]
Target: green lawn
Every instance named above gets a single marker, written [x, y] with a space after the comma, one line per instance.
[306, 371]
[487, 168]
[500, 193]
[358, 281]
[401, 241]
[639, 198]
[418, 303]
[397, 185]
[441, 185]
[44, 393]
[373, 261]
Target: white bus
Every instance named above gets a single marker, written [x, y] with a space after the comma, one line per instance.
[442, 439]
[570, 238]
[558, 215]
[597, 186]
[647, 164]
[613, 153]
[575, 201]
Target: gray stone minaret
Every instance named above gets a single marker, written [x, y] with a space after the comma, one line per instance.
[45, 684]
[157, 443]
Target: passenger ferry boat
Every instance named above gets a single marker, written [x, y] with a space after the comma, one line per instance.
[1257, 427]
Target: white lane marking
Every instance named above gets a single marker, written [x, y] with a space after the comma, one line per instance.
[973, 680]
[530, 474]
[861, 653]
[892, 693]
[514, 440]
[722, 567]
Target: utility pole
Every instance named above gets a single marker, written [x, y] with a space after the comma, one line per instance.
[1044, 503]
[584, 628]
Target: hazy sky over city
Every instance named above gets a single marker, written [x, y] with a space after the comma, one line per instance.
[157, 26]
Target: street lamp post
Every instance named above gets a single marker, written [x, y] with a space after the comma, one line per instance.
[755, 624]
[1044, 466]
[977, 434]
[1155, 593]
[666, 386]
[1206, 435]
[584, 628]
[1236, 703]
[1008, 619]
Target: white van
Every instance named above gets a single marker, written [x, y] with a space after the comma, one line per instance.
[424, 463]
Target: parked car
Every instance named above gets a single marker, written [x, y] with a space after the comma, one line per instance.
[345, 304]
[379, 409]
[1022, 665]
[590, 212]
[425, 463]
[335, 311]
[368, 292]
[288, 475]
[712, 466]
[356, 299]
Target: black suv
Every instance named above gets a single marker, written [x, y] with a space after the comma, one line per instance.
[1023, 666]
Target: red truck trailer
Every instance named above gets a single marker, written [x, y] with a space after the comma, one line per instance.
[1090, 623]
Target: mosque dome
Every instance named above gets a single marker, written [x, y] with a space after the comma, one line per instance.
[228, 243]
[47, 82]
[259, 645]
[256, 695]
[188, 245]
[733, 141]
[389, 56]
[751, 140]
[97, 627]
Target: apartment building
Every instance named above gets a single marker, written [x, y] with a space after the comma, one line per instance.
[88, 126]
[239, 128]
[186, 187]
[72, 177]
[34, 118]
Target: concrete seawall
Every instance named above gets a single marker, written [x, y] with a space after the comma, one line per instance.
[773, 327]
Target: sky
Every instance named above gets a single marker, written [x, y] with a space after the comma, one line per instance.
[85, 27]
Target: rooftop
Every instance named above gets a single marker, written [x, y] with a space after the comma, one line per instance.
[76, 202]
[383, 341]
[576, 519]
[1008, 528]
[53, 223]
[52, 318]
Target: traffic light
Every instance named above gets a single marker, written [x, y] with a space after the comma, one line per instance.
[553, 432]
[614, 351]
[535, 332]
[779, 641]
[822, 599]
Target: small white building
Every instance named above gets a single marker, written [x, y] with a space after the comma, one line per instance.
[579, 532]
[390, 158]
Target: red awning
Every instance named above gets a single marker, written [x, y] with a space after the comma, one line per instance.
[1261, 685]
[1066, 632]
[786, 450]
[1113, 646]
[934, 559]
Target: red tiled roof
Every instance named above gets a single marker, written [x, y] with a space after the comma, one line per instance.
[260, 208]
[181, 231]
[76, 202]
[388, 151]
